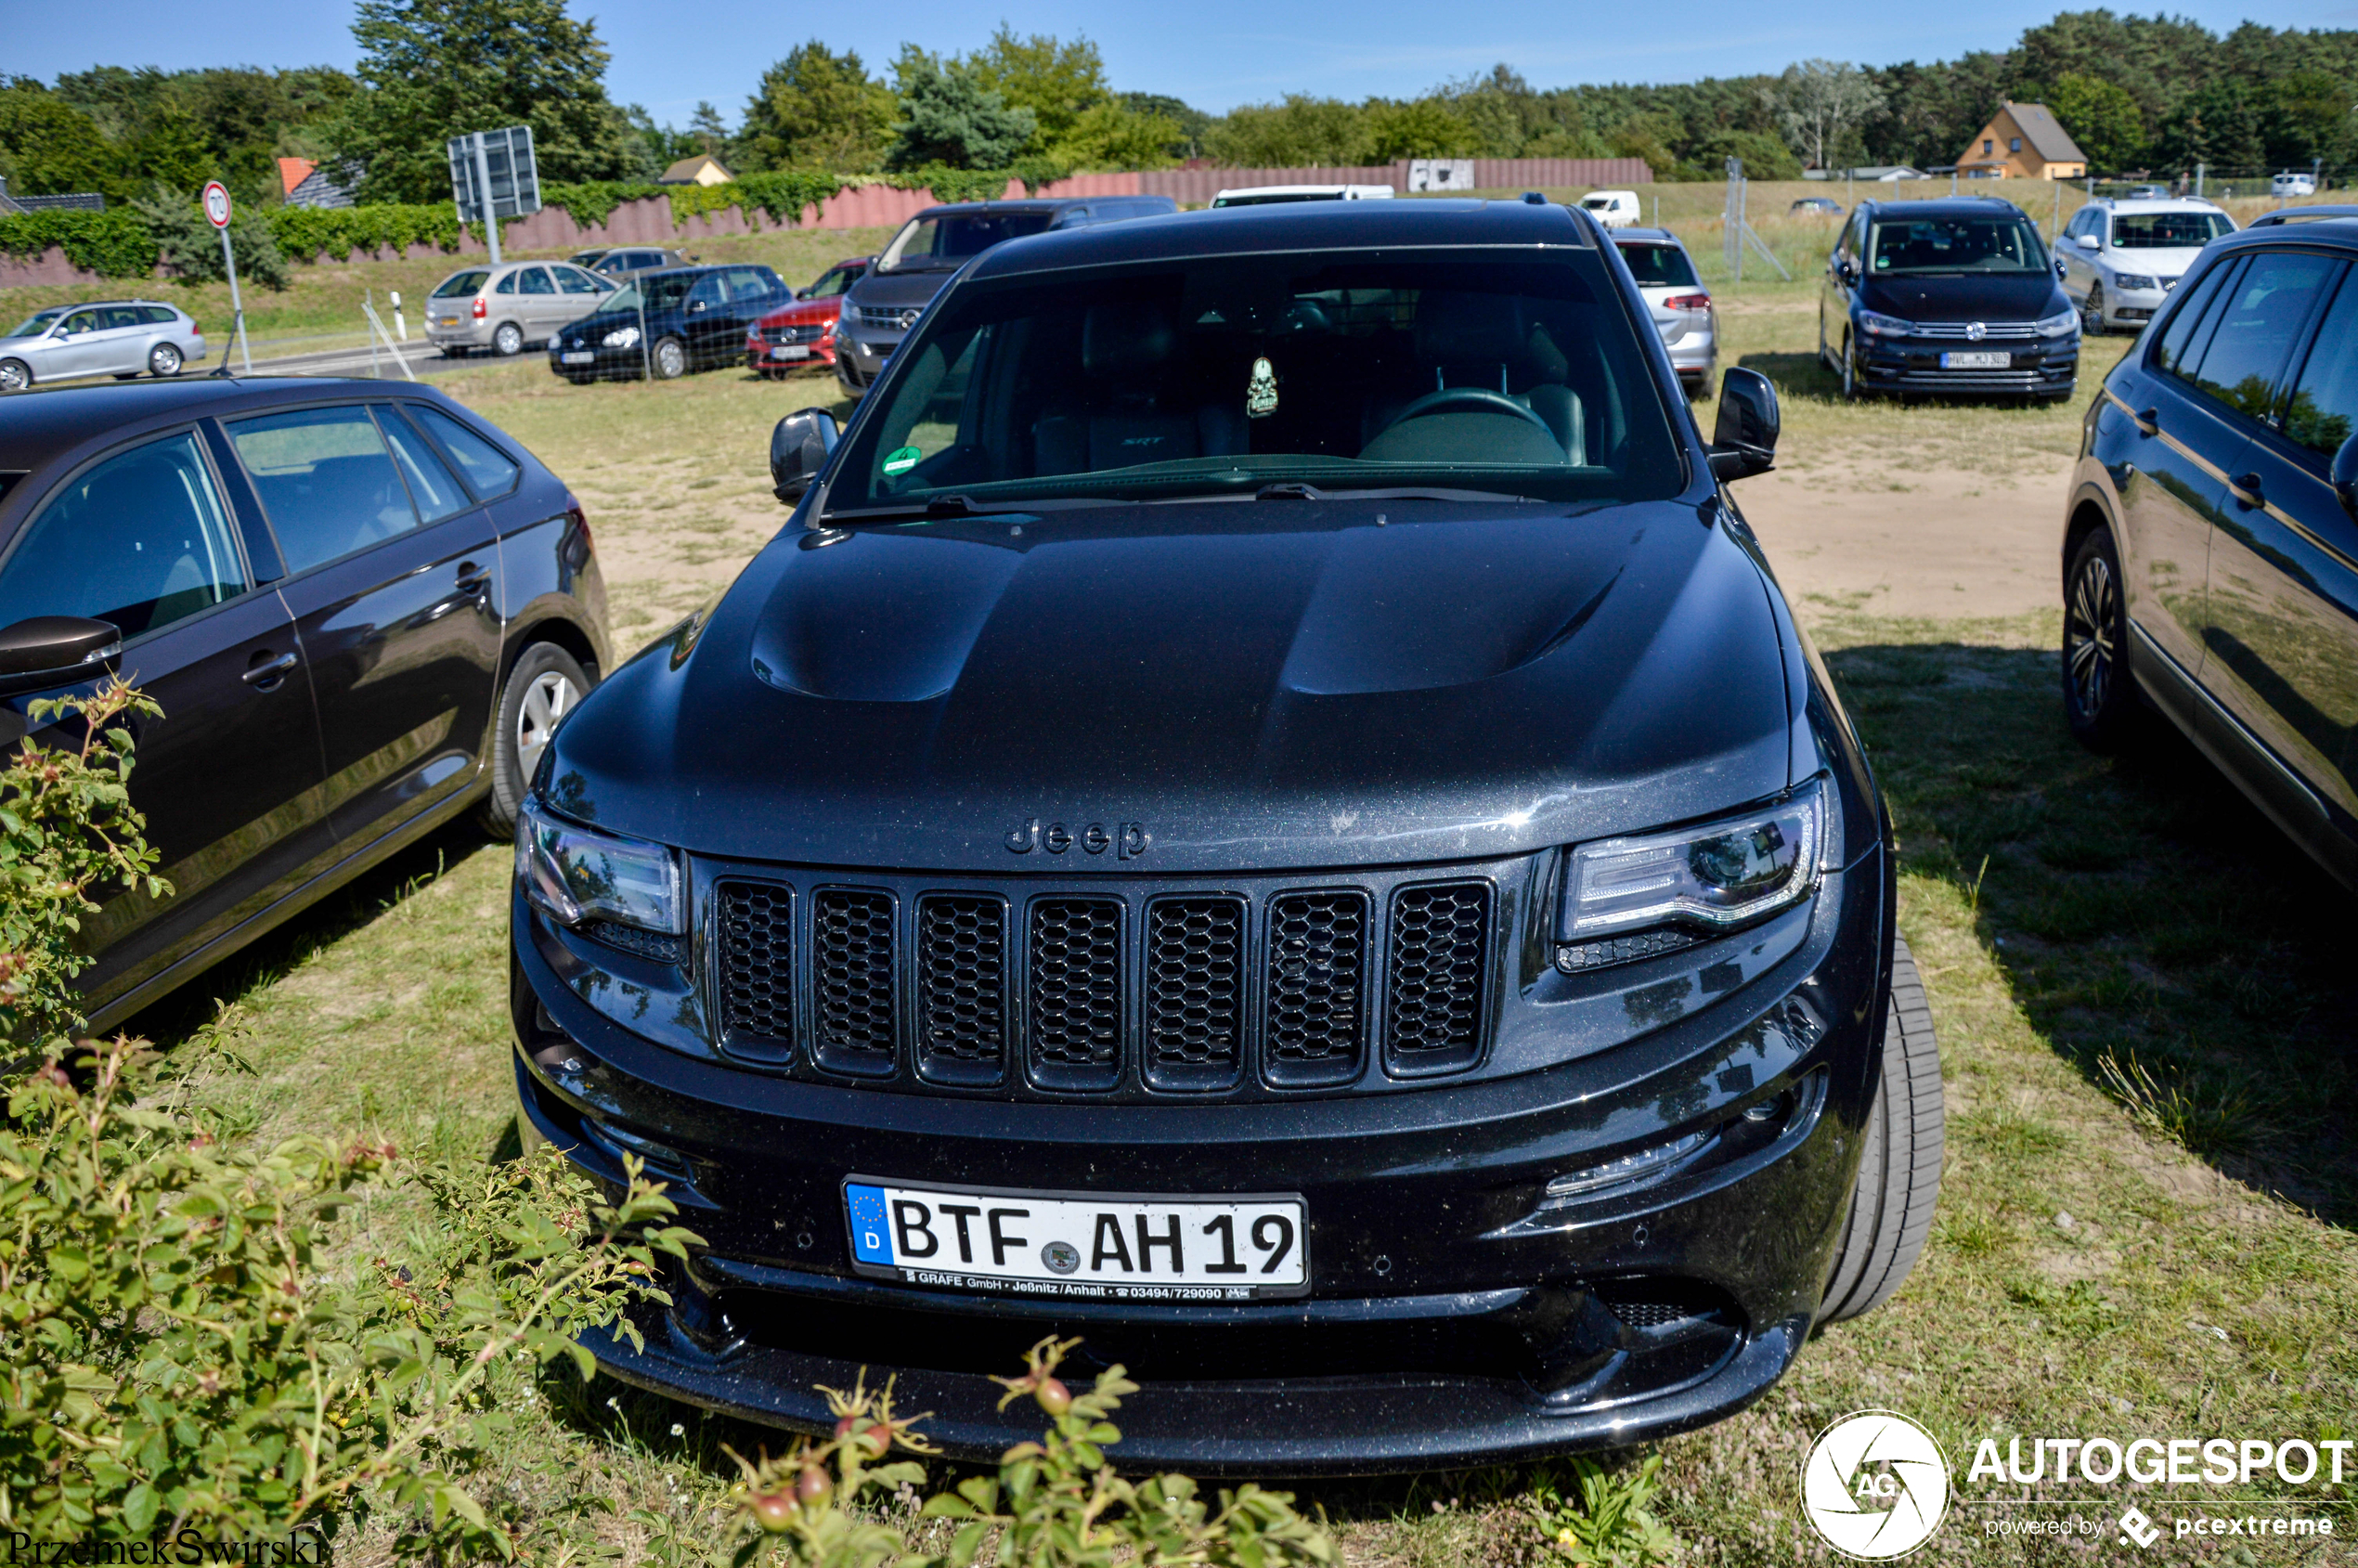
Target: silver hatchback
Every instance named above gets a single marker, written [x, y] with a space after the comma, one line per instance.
[117, 338]
[504, 307]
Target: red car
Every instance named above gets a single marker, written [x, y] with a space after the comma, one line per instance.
[803, 332]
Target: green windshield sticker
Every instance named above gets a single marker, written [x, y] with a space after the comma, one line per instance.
[903, 461]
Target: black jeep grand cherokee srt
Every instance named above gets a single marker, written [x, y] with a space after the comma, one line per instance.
[1264, 811]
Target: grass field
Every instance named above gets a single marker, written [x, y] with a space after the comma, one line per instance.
[2141, 990]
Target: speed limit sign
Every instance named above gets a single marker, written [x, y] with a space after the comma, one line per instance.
[216, 203]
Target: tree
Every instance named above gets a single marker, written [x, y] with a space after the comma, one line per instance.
[437, 69]
[949, 117]
[1189, 123]
[2102, 118]
[1057, 82]
[2218, 125]
[1766, 157]
[818, 110]
[2308, 116]
[1819, 104]
[1301, 130]
[1426, 128]
[1113, 135]
[49, 147]
[707, 130]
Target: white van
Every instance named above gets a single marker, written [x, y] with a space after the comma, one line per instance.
[1614, 209]
[2292, 184]
[1264, 195]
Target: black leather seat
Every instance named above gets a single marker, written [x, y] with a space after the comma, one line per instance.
[1122, 414]
[1484, 339]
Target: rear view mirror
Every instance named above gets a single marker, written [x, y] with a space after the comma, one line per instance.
[2345, 476]
[55, 651]
[1743, 442]
[798, 449]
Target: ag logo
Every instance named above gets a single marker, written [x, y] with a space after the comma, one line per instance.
[1874, 1485]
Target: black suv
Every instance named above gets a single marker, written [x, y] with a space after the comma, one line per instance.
[361, 609]
[910, 269]
[1946, 297]
[2210, 554]
[1264, 811]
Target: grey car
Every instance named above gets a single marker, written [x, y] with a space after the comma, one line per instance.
[1681, 305]
[506, 306]
[117, 338]
[614, 261]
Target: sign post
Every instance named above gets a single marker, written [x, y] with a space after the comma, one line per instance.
[217, 212]
[493, 175]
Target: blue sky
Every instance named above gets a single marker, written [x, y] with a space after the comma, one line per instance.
[1213, 53]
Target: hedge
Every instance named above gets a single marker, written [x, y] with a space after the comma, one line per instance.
[117, 243]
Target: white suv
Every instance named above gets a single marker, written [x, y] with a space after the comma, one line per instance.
[2121, 258]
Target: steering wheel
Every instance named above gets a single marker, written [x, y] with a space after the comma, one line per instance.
[1467, 399]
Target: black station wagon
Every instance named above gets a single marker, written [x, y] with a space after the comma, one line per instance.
[2210, 539]
[361, 609]
[1263, 811]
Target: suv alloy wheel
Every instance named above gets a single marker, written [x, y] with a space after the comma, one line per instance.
[2096, 691]
[2092, 314]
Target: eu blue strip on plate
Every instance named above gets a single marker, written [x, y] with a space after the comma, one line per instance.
[870, 1237]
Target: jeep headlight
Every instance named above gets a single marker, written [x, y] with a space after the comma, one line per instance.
[575, 874]
[2061, 324]
[1715, 875]
[1878, 325]
[621, 337]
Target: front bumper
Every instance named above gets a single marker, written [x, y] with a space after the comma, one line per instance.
[2035, 369]
[1456, 1316]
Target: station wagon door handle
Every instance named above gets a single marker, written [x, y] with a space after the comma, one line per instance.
[2148, 422]
[266, 673]
[2247, 491]
[474, 581]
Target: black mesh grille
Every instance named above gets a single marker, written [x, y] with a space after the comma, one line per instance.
[1318, 965]
[1076, 983]
[757, 964]
[1195, 982]
[1440, 964]
[962, 980]
[1573, 957]
[851, 971]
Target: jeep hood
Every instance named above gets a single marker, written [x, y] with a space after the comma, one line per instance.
[1256, 684]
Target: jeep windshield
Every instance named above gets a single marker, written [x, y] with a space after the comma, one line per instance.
[1468, 370]
[938, 244]
[2002, 242]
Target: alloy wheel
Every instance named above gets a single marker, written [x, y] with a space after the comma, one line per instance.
[164, 360]
[548, 698]
[509, 338]
[1850, 373]
[2089, 650]
[671, 360]
[2091, 313]
[14, 377]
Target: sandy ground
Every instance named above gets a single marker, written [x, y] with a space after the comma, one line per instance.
[1934, 542]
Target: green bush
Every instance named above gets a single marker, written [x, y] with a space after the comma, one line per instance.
[115, 243]
[1056, 1503]
[305, 232]
[190, 248]
[590, 202]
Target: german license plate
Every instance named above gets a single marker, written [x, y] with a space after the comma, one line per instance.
[1107, 1246]
[1972, 361]
[583, 358]
[791, 350]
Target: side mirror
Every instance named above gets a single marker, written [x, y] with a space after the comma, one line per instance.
[1743, 442]
[696, 307]
[798, 449]
[2345, 476]
[1847, 272]
[44, 651]
[2086, 241]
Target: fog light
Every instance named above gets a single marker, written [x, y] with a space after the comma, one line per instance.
[1629, 1168]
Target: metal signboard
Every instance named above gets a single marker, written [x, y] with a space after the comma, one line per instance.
[216, 204]
[1441, 173]
[498, 163]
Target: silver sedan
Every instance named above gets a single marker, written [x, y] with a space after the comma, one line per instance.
[117, 338]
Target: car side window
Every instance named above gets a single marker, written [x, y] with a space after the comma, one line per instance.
[81, 321]
[2260, 320]
[2323, 410]
[326, 480]
[139, 541]
[747, 283]
[2184, 336]
[489, 471]
[159, 314]
[707, 291]
[435, 493]
[506, 285]
[536, 282]
[576, 281]
[126, 316]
